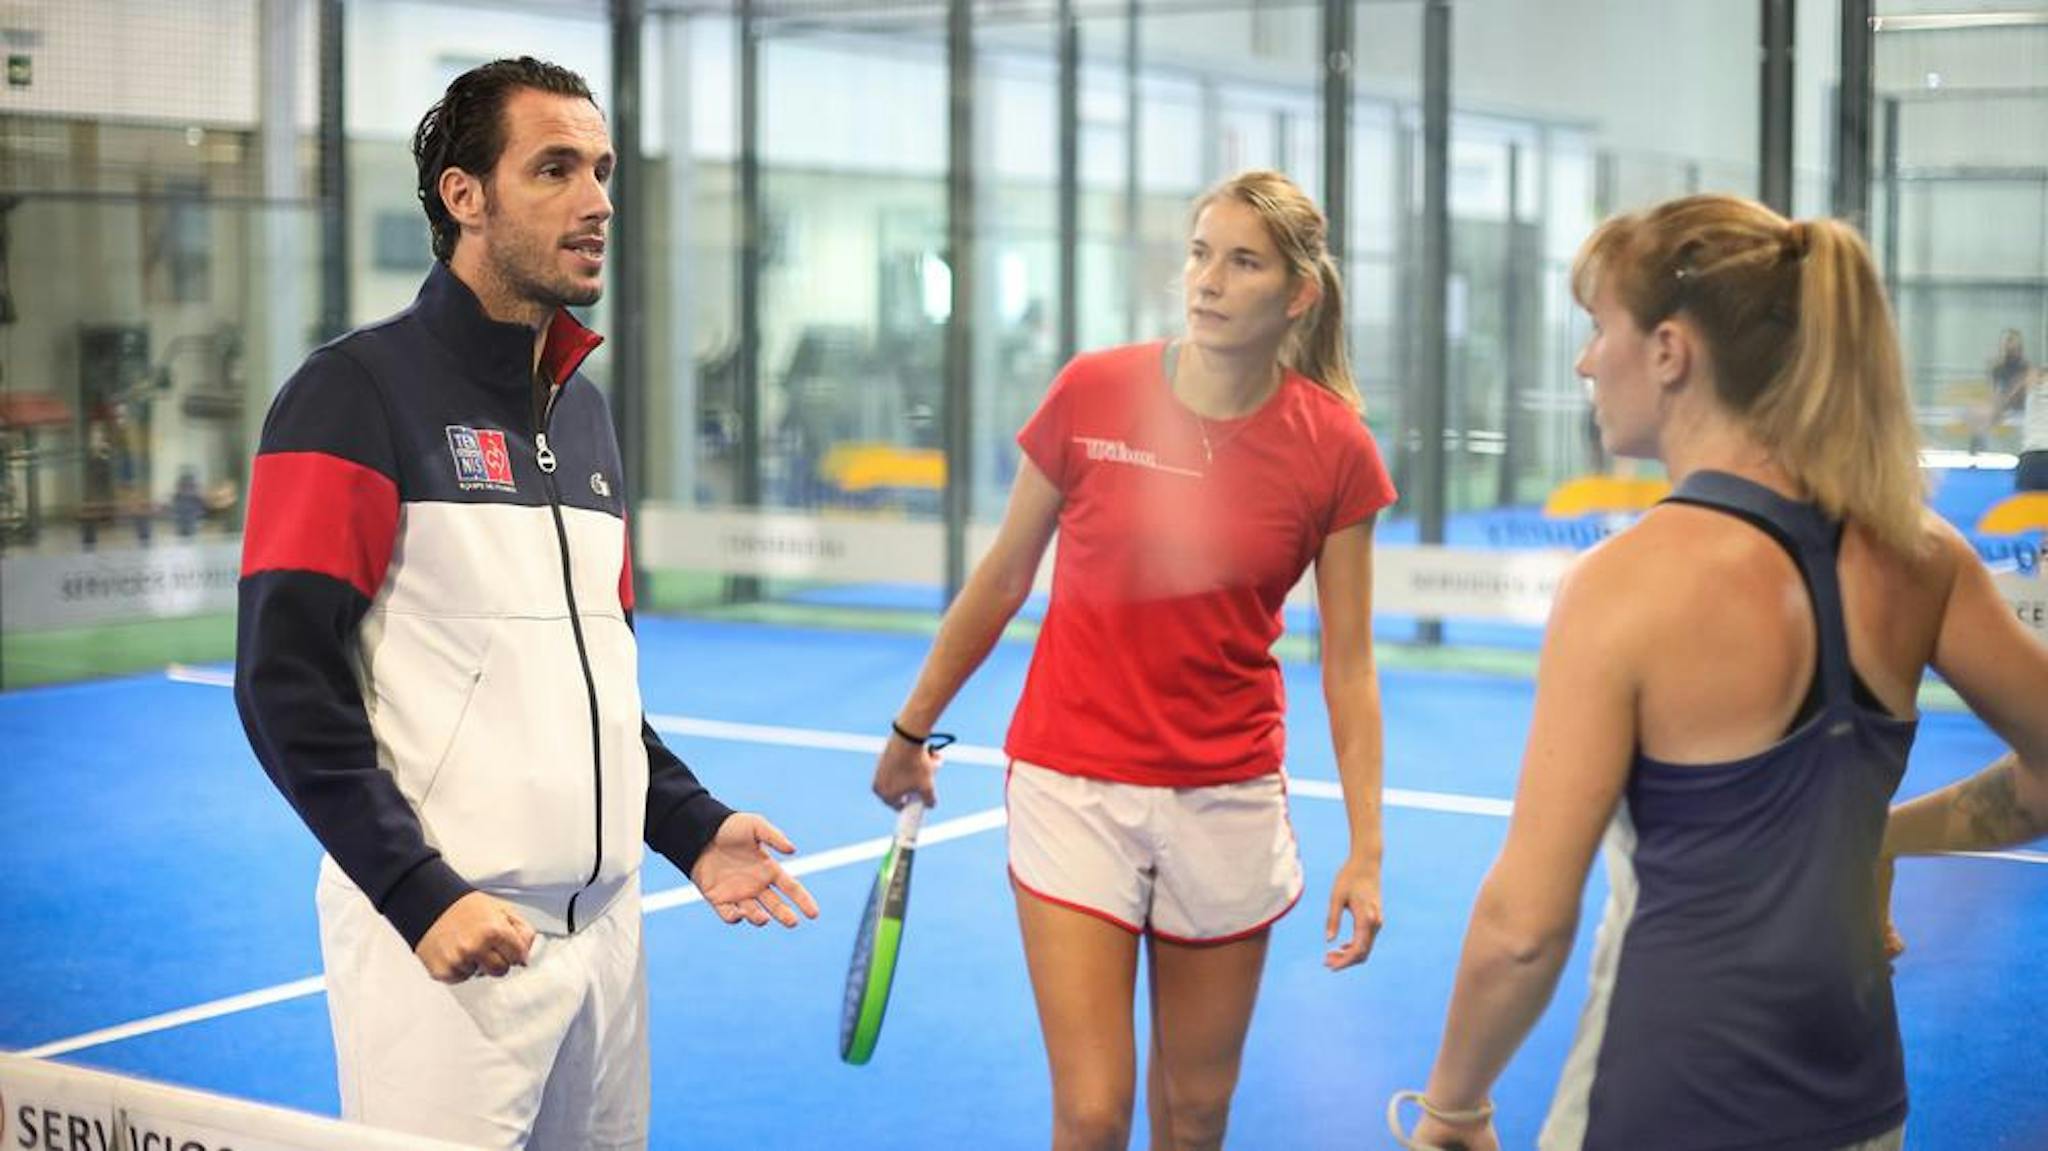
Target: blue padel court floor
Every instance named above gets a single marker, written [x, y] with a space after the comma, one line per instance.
[157, 916]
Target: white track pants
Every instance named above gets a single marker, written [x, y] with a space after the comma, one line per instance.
[553, 1055]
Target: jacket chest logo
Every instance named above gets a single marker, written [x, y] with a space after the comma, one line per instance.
[482, 462]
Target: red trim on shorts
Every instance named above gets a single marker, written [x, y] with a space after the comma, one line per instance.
[1069, 905]
[1235, 937]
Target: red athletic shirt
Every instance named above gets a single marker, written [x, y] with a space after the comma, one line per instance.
[1155, 662]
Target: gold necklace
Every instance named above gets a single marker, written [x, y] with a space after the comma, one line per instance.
[1201, 422]
[1238, 422]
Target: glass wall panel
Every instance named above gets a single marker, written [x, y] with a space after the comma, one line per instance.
[1174, 100]
[1017, 238]
[851, 279]
[159, 251]
[1383, 255]
[1960, 222]
[1817, 55]
[1562, 114]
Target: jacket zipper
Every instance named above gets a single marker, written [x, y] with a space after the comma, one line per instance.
[544, 456]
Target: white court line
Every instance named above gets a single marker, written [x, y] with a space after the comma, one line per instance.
[185, 673]
[803, 865]
[852, 853]
[807, 737]
[248, 1001]
[994, 757]
[837, 857]
[1402, 797]
[2008, 856]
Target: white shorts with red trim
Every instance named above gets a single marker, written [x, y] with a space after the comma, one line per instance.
[1185, 864]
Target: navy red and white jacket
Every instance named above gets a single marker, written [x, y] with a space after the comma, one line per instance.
[436, 661]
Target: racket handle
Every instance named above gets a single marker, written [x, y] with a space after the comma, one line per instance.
[909, 818]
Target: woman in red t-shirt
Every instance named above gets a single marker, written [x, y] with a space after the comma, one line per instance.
[1192, 483]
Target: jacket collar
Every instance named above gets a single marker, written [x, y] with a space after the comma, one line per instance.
[499, 353]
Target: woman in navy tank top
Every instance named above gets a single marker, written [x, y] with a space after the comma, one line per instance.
[1726, 697]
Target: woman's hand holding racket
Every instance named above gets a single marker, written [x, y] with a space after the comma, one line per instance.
[909, 766]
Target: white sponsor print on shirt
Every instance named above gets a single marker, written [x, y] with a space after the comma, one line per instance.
[1119, 452]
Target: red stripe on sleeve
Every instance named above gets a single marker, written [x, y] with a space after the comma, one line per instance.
[312, 512]
[626, 568]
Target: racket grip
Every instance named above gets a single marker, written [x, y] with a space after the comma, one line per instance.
[908, 819]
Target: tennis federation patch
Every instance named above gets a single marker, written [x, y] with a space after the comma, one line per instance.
[482, 462]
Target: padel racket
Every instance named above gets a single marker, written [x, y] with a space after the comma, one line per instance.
[873, 967]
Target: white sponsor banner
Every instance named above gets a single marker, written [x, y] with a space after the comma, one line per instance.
[1455, 583]
[41, 592]
[48, 1106]
[2028, 595]
[830, 549]
[1491, 584]
[1467, 583]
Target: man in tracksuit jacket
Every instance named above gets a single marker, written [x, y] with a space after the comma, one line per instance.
[436, 661]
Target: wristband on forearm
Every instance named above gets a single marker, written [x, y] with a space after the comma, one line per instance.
[932, 742]
[1472, 1118]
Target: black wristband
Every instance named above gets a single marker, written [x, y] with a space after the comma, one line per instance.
[933, 742]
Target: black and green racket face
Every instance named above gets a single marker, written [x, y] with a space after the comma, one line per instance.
[873, 968]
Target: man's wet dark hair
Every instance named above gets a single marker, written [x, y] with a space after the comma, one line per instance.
[466, 129]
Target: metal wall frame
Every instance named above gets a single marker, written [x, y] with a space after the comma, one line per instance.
[1775, 104]
[333, 189]
[1853, 109]
[961, 259]
[1432, 381]
[628, 287]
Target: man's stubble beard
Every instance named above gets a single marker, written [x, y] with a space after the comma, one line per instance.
[525, 270]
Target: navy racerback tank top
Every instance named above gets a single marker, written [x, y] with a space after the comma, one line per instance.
[1740, 995]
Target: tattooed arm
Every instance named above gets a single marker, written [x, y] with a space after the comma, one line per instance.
[2002, 806]
[2001, 671]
